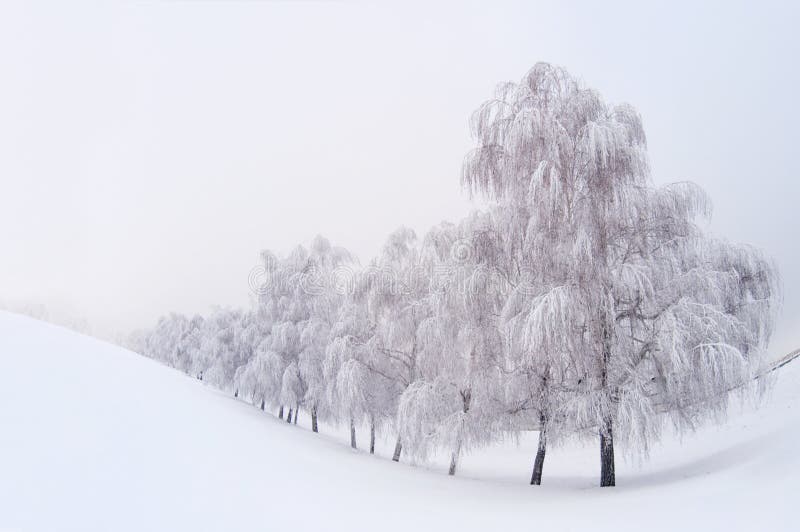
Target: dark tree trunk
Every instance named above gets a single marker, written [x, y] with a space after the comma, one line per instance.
[280, 412]
[314, 424]
[538, 464]
[296, 413]
[398, 448]
[466, 399]
[353, 434]
[454, 459]
[262, 403]
[607, 477]
[372, 436]
[289, 416]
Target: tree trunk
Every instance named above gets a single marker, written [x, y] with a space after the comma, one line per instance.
[353, 434]
[606, 434]
[280, 412]
[296, 413]
[454, 459]
[262, 403]
[289, 416]
[538, 464]
[372, 436]
[314, 425]
[466, 399]
[607, 477]
[398, 448]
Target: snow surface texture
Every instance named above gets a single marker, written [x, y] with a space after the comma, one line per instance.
[94, 437]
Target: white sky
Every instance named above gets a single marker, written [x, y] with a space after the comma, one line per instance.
[149, 150]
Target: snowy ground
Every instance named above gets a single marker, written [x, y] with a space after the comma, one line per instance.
[95, 438]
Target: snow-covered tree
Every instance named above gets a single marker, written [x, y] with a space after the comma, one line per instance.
[344, 375]
[260, 378]
[453, 404]
[396, 286]
[615, 263]
[175, 340]
[318, 291]
[280, 306]
[220, 353]
[362, 387]
[253, 379]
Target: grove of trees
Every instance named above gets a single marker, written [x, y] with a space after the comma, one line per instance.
[583, 301]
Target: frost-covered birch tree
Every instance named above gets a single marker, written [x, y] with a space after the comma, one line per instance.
[291, 315]
[176, 341]
[396, 286]
[452, 403]
[221, 354]
[642, 311]
[351, 386]
[317, 289]
[259, 380]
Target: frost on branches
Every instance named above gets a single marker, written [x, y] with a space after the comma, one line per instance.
[628, 314]
[583, 302]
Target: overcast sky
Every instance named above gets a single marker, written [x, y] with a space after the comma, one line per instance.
[149, 150]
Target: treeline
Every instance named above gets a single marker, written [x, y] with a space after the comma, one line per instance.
[583, 302]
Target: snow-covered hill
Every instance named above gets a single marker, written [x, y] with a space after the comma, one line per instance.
[93, 437]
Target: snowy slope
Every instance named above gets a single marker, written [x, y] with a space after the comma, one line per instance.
[93, 437]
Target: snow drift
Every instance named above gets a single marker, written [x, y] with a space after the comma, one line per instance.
[94, 437]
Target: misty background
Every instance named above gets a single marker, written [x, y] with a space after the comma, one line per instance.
[150, 150]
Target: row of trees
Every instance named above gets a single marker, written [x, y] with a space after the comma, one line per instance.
[583, 301]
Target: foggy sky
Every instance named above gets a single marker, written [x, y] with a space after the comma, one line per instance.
[149, 151]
